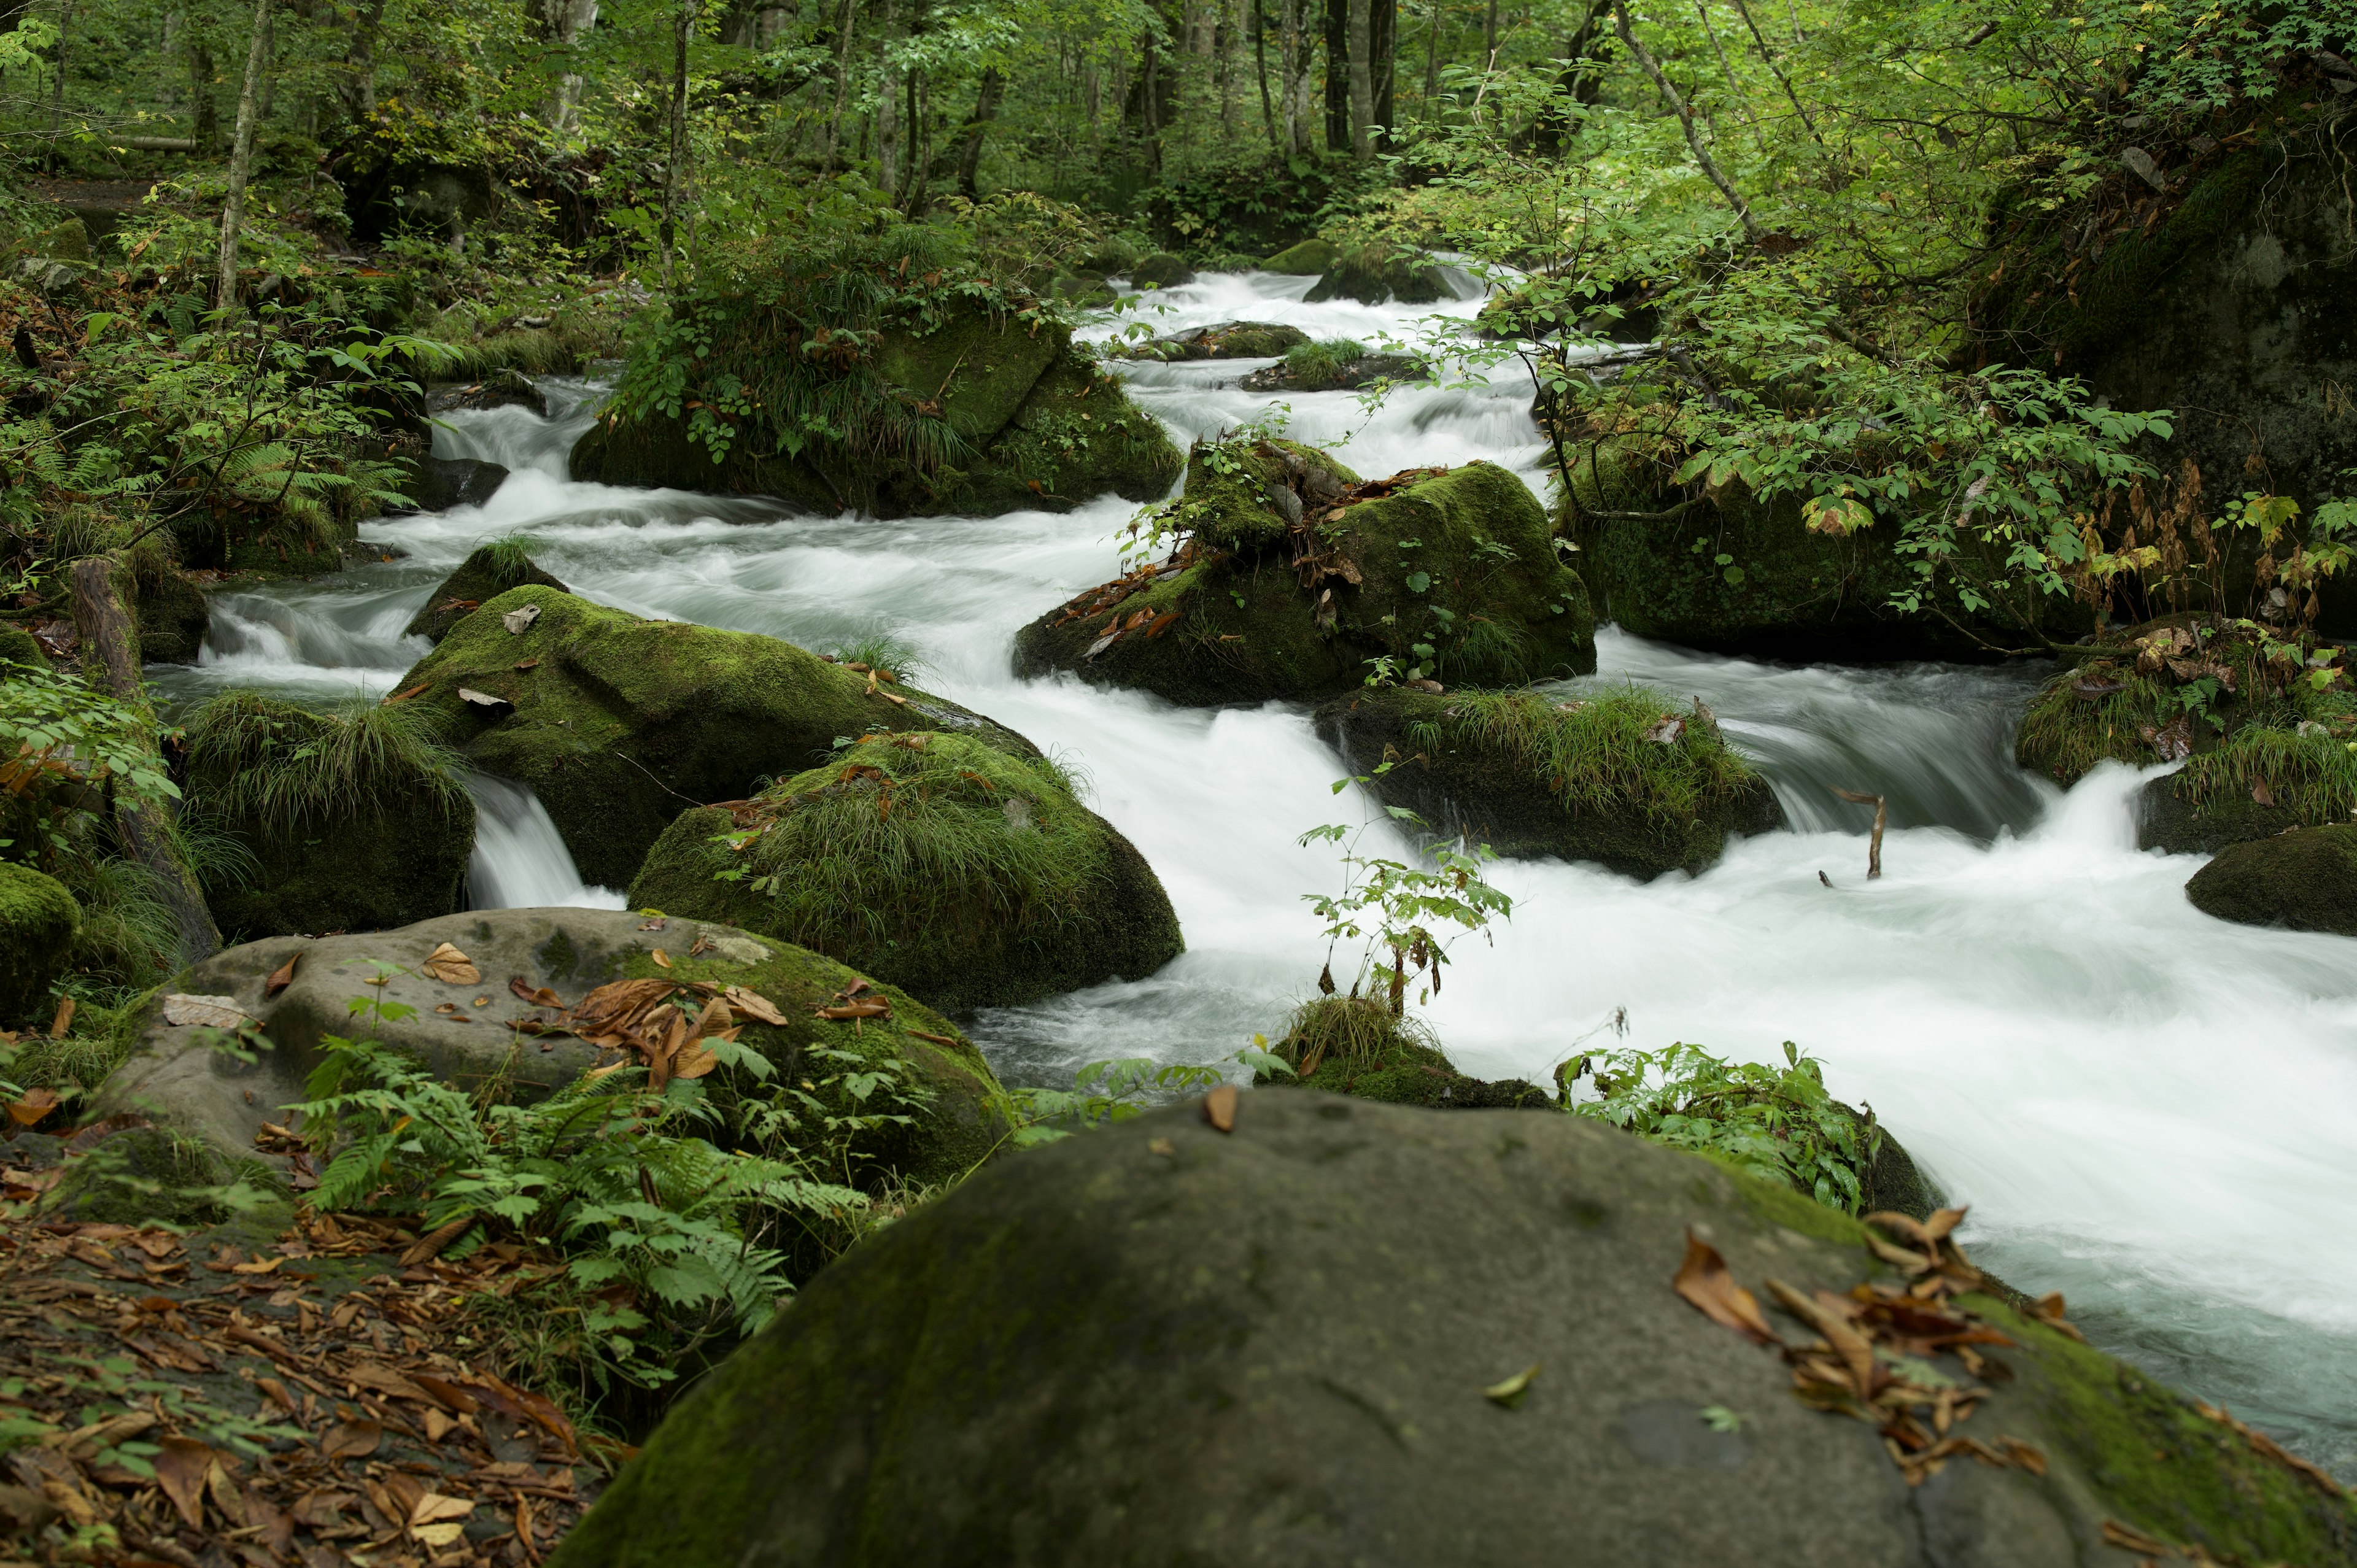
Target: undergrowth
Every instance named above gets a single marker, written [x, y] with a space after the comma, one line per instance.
[1599, 752]
[1351, 1030]
[1319, 364]
[269, 761]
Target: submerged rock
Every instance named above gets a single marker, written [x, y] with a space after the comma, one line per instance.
[176, 1077]
[437, 483]
[617, 723]
[354, 822]
[489, 571]
[1344, 1332]
[37, 921]
[500, 389]
[966, 876]
[168, 608]
[1226, 340]
[1292, 577]
[1160, 270]
[2304, 879]
[1334, 366]
[1014, 418]
[1618, 778]
[1373, 275]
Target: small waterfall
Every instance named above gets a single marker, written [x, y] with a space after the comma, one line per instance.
[520, 861]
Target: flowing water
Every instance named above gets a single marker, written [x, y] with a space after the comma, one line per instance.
[2147, 1109]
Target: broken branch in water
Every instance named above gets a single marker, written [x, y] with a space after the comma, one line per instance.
[1873, 846]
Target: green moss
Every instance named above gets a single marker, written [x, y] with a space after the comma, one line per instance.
[1353, 1046]
[577, 333]
[2064, 734]
[354, 821]
[1371, 274]
[69, 242]
[1160, 270]
[487, 572]
[1075, 437]
[1579, 777]
[169, 610]
[2168, 1468]
[1311, 258]
[971, 877]
[37, 921]
[1325, 364]
[1779, 1204]
[618, 723]
[2305, 880]
[1454, 572]
[18, 646]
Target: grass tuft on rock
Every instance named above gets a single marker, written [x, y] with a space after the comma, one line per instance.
[282, 765]
[1319, 365]
[1352, 1045]
[1600, 753]
[2306, 769]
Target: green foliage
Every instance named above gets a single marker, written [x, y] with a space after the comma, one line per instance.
[1386, 904]
[58, 731]
[880, 649]
[1319, 365]
[2310, 771]
[1776, 1123]
[1351, 1031]
[282, 765]
[1615, 748]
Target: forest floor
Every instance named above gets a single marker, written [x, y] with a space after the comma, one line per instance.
[266, 1392]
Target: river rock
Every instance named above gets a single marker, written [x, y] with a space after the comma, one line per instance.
[1300, 371]
[1160, 270]
[176, 1076]
[18, 646]
[437, 483]
[1087, 290]
[964, 875]
[1227, 341]
[1352, 1045]
[388, 844]
[1309, 1332]
[169, 611]
[37, 921]
[1619, 777]
[2304, 880]
[1373, 275]
[500, 389]
[618, 723]
[1292, 576]
[1309, 259]
[1035, 424]
[489, 571]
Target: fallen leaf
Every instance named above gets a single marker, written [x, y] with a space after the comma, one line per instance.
[435, 1509]
[280, 978]
[405, 696]
[753, 1005]
[278, 1395]
[451, 967]
[859, 1007]
[180, 1472]
[1510, 1391]
[528, 663]
[1219, 1108]
[269, 1267]
[351, 1440]
[520, 618]
[662, 957]
[438, 1535]
[934, 1039]
[537, 995]
[2127, 1538]
[1706, 1284]
[1941, 1223]
[2262, 794]
[62, 1020]
[211, 1012]
[36, 1104]
[431, 1244]
[2025, 1454]
[482, 699]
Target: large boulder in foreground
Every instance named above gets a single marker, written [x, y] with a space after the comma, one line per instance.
[355, 821]
[1291, 577]
[2305, 880]
[176, 1076]
[37, 921]
[617, 723]
[1296, 1344]
[980, 415]
[1619, 778]
[966, 876]
[489, 571]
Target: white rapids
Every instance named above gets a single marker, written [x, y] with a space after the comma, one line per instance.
[2147, 1109]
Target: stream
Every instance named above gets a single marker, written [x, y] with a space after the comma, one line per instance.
[2148, 1109]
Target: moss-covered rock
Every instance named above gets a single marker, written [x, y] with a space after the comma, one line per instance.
[1338, 1283]
[18, 646]
[1619, 777]
[1089, 290]
[68, 241]
[615, 722]
[1161, 270]
[958, 1114]
[1311, 258]
[168, 608]
[37, 921]
[1226, 340]
[1373, 275]
[2305, 879]
[489, 571]
[964, 875]
[506, 388]
[353, 821]
[1352, 1045]
[1291, 577]
[1025, 418]
[1336, 365]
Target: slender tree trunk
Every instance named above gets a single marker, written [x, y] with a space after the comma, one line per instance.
[1733, 88]
[565, 21]
[1685, 119]
[1260, 64]
[1338, 76]
[1362, 84]
[887, 126]
[1292, 74]
[1383, 49]
[985, 110]
[1432, 60]
[358, 91]
[207, 128]
[110, 660]
[241, 161]
[842, 83]
[1149, 102]
[1490, 37]
[684, 25]
[57, 94]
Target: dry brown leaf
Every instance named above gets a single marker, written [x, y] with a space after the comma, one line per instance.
[278, 1395]
[1219, 1108]
[210, 1012]
[661, 957]
[753, 1004]
[537, 995]
[1940, 1224]
[37, 1104]
[1856, 1352]
[451, 967]
[2127, 1538]
[859, 1007]
[180, 1472]
[1705, 1282]
[520, 618]
[280, 978]
[351, 1440]
[62, 1020]
[430, 1245]
[405, 696]
[434, 1508]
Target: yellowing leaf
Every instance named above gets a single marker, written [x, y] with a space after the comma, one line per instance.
[451, 967]
[1510, 1391]
[211, 1012]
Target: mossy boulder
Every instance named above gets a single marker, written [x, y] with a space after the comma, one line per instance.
[2305, 880]
[487, 572]
[437, 483]
[18, 646]
[1334, 366]
[1089, 290]
[1337, 1284]
[1019, 418]
[169, 612]
[37, 921]
[68, 241]
[1309, 259]
[350, 823]
[1161, 270]
[1621, 778]
[1291, 576]
[1373, 275]
[1227, 341]
[1352, 1045]
[506, 388]
[967, 877]
[460, 1031]
[616, 722]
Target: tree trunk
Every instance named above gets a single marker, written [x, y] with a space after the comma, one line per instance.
[358, 89]
[110, 662]
[1363, 82]
[58, 95]
[1432, 61]
[985, 110]
[241, 161]
[1751, 230]
[1382, 45]
[668, 231]
[842, 84]
[1260, 63]
[1338, 76]
[201, 97]
[565, 21]
[1292, 75]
